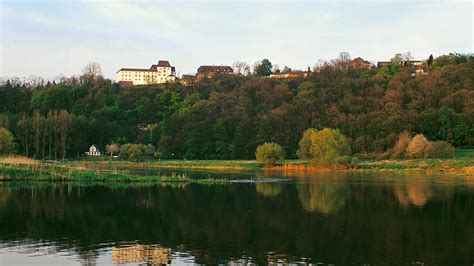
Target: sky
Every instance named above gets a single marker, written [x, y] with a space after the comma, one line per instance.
[52, 37]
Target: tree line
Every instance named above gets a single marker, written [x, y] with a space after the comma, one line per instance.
[228, 116]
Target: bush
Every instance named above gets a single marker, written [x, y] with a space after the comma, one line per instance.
[269, 153]
[441, 149]
[7, 145]
[329, 146]
[399, 150]
[133, 152]
[418, 147]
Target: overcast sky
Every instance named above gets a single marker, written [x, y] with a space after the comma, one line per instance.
[48, 38]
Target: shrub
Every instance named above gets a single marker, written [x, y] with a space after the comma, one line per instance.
[399, 150]
[133, 152]
[304, 151]
[7, 145]
[329, 146]
[441, 149]
[269, 153]
[418, 147]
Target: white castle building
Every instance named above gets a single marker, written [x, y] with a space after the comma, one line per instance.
[160, 73]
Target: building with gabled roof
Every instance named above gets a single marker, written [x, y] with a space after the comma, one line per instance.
[158, 73]
[360, 63]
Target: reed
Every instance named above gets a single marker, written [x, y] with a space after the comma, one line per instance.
[16, 159]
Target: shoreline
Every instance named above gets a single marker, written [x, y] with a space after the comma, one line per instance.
[463, 166]
[20, 172]
[107, 170]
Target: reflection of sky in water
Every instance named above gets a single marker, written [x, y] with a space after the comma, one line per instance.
[37, 253]
[238, 223]
[47, 254]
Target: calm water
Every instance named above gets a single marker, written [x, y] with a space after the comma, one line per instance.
[324, 218]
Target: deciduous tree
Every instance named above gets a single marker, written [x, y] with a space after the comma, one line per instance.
[7, 145]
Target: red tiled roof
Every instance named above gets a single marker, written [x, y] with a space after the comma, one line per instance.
[164, 63]
[161, 63]
[137, 69]
[360, 60]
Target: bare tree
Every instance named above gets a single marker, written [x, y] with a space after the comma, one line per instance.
[319, 65]
[407, 56]
[342, 61]
[344, 57]
[275, 68]
[4, 121]
[241, 68]
[397, 58]
[37, 125]
[92, 71]
[66, 124]
[24, 130]
[34, 81]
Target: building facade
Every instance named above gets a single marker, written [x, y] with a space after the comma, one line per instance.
[160, 73]
[188, 79]
[211, 71]
[360, 63]
[291, 74]
[93, 151]
[419, 66]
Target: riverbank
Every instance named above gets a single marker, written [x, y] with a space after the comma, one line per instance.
[20, 168]
[463, 163]
[44, 172]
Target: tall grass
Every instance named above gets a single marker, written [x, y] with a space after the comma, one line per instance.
[16, 159]
[43, 172]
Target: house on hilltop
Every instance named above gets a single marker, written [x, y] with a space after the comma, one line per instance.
[211, 71]
[360, 63]
[420, 66]
[291, 74]
[160, 73]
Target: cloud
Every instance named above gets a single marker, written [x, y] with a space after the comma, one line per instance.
[49, 38]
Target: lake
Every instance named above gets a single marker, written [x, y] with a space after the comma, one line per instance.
[262, 217]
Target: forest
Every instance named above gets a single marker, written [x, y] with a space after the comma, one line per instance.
[228, 116]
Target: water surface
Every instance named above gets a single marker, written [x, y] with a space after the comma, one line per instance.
[329, 218]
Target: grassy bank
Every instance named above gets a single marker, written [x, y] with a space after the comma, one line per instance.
[44, 172]
[462, 163]
[190, 164]
[20, 168]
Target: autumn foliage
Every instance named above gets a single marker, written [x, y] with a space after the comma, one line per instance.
[269, 153]
[228, 116]
[325, 147]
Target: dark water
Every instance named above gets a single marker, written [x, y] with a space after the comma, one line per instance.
[329, 218]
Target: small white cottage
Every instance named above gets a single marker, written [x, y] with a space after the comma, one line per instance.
[93, 151]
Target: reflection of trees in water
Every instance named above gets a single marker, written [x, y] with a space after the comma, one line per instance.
[202, 219]
[4, 196]
[269, 189]
[323, 191]
[323, 197]
[415, 193]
